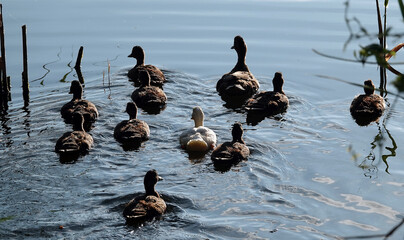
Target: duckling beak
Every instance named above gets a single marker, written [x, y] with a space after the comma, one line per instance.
[160, 178]
[233, 47]
[131, 55]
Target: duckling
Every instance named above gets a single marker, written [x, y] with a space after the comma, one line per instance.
[231, 152]
[147, 206]
[132, 131]
[198, 138]
[149, 98]
[157, 77]
[77, 141]
[368, 107]
[269, 102]
[77, 104]
[239, 84]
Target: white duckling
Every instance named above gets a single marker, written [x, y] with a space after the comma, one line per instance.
[198, 138]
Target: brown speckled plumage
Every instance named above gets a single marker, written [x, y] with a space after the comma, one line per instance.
[76, 141]
[157, 77]
[147, 206]
[231, 152]
[239, 84]
[147, 97]
[368, 107]
[269, 102]
[133, 130]
[79, 105]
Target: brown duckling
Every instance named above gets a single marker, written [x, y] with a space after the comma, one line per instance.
[239, 84]
[150, 98]
[77, 141]
[132, 131]
[77, 104]
[269, 102]
[157, 77]
[229, 153]
[147, 206]
[368, 107]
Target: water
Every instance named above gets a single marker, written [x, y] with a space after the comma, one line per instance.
[303, 179]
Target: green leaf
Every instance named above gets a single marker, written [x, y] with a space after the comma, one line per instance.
[399, 83]
[6, 218]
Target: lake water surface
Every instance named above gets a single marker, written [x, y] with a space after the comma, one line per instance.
[313, 173]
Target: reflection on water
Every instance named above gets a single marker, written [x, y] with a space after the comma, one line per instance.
[47, 70]
[392, 149]
[371, 162]
[27, 120]
[6, 140]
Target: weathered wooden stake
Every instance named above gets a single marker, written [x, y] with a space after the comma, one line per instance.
[78, 65]
[25, 83]
[1, 80]
[4, 82]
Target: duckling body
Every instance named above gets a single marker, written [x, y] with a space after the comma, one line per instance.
[231, 152]
[147, 97]
[368, 107]
[79, 105]
[269, 102]
[77, 141]
[156, 75]
[147, 206]
[239, 84]
[198, 138]
[132, 131]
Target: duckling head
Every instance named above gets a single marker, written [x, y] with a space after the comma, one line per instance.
[197, 116]
[131, 109]
[150, 180]
[138, 53]
[369, 87]
[237, 132]
[277, 82]
[239, 44]
[76, 89]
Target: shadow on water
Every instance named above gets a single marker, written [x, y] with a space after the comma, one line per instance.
[131, 146]
[69, 158]
[253, 118]
[225, 167]
[197, 157]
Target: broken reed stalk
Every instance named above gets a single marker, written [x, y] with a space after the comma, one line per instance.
[78, 65]
[25, 84]
[79, 57]
[5, 86]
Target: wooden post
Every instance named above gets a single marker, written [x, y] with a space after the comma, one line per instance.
[1, 79]
[78, 65]
[2, 98]
[25, 83]
[5, 87]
